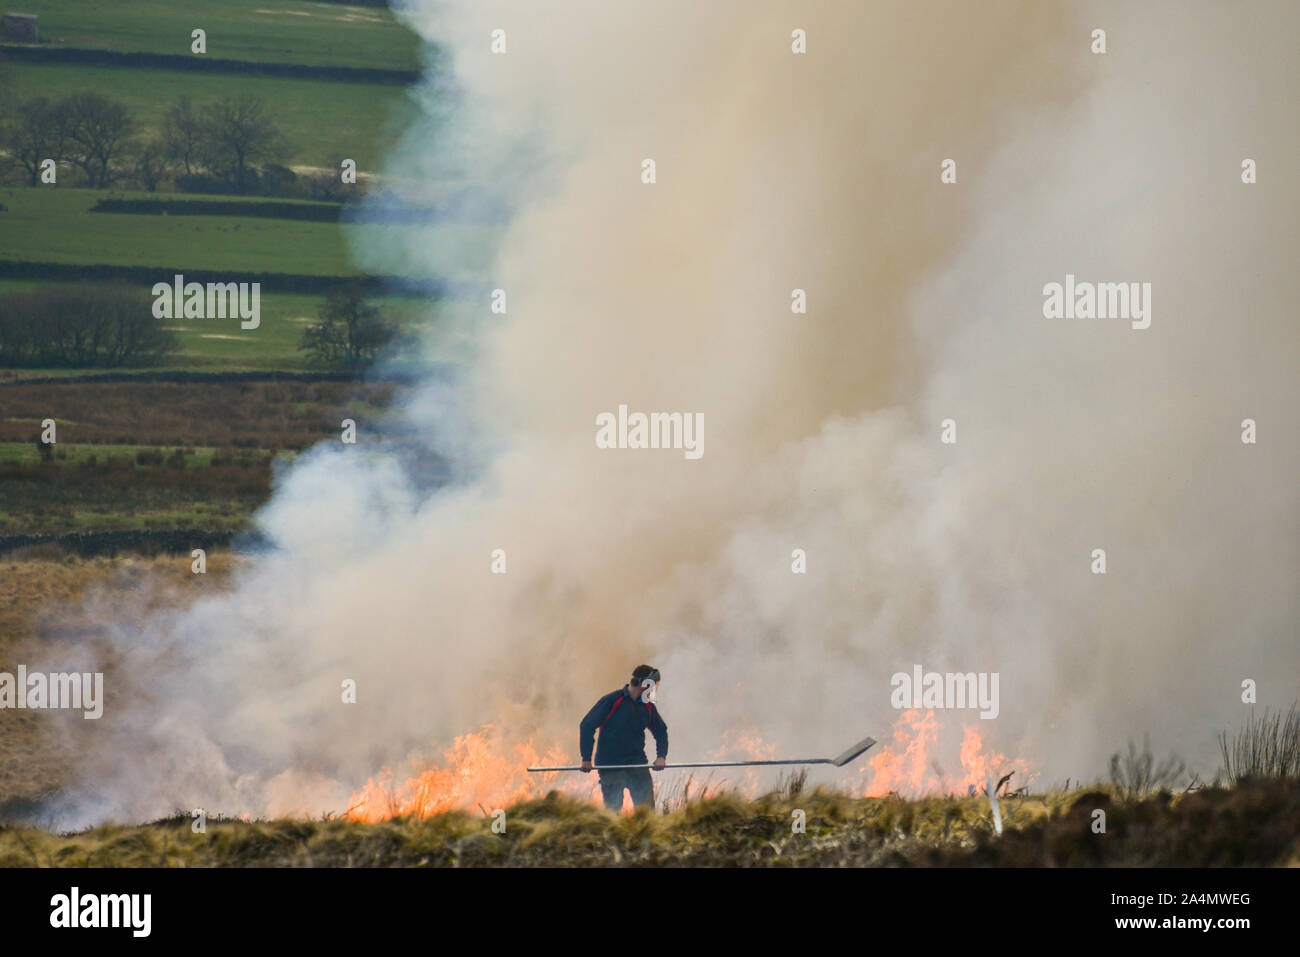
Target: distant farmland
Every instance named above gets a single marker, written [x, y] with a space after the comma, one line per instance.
[259, 30]
[332, 78]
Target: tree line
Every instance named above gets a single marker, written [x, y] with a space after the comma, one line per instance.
[82, 326]
[227, 145]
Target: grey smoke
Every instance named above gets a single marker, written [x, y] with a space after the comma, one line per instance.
[778, 172]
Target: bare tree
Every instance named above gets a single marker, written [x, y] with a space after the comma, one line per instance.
[98, 129]
[237, 136]
[36, 130]
[183, 133]
[152, 164]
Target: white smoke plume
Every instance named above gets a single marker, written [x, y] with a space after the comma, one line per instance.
[778, 171]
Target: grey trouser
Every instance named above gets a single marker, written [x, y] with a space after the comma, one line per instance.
[636, 780]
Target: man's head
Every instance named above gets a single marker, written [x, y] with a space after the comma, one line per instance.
[640, 676]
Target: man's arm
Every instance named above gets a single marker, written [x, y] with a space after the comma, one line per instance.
[587, 729]
[660, 730]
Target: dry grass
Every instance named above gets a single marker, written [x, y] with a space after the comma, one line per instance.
[116, 466]
[115, 494]
[1257, 824]
[268, 415]
[1137, 775]
[1268, 746]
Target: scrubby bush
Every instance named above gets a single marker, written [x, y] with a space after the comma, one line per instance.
[351, 333]
[1137, 775]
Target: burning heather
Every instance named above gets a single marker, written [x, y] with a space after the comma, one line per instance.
[482, 771]
[835, 259]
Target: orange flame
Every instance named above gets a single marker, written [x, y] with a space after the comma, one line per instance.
[910, 766]
[903, 767]
[478, 771]
[482, 771]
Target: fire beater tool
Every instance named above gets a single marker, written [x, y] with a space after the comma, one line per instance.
[838, 761]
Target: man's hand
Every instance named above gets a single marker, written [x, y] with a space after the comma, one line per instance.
[586, 767]
[658, 765]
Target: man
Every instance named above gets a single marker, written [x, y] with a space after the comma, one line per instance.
[622, 717]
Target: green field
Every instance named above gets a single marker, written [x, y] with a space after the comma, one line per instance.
[46, 224]
[324, 34]
[56, 225]
[322, 121]
[220, 345]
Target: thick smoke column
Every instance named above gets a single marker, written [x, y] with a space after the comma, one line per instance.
[775, 172]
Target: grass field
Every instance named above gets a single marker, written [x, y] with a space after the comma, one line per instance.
[25, 453]
[102, 488]
[263, 30]
[267, 415]
[220, 345]
[322, 121]
[151, 510]
[56, 225]
[98, 479]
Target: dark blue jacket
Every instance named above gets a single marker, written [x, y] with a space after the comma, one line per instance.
[622, 740]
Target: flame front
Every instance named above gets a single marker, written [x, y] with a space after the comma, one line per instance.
[479, 771]
[483, 771]
[909, 764]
